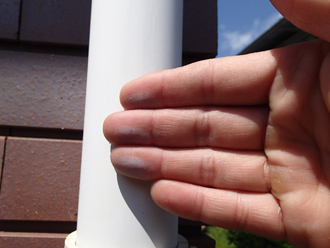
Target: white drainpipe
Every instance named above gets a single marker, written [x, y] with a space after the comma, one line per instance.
[128, 39]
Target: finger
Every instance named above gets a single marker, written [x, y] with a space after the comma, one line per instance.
[242, 80]
[325, 79]
[256, 213]
[206, 167]
[232, 128]
[310, 16]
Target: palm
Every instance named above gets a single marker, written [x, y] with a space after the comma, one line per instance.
[297, 145]
[242, 143]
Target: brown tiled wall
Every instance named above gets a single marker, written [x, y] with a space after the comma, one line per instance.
[42, 89]
[2, 149]
[43, 63]
[64, 22]
[9, 19]
[40, 180]
[31, 240]
[57, 21]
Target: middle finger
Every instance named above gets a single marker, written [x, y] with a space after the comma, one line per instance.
[225, 127]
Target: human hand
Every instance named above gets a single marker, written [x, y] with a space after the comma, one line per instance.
[242, 142]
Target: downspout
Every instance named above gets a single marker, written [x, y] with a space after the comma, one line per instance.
[128, 38]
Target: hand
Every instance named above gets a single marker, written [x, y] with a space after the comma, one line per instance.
[241, 142]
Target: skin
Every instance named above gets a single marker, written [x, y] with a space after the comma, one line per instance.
[239, 142]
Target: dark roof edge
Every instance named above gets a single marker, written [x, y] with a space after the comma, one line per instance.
[283, 33]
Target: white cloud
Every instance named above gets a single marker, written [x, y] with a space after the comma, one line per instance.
[235, 41]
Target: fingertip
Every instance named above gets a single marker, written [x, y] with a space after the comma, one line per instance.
[176, 197]
[284, 7]
[310, 16]
[156, 188]
[124, 94]
[129, 164]
[161, 192]
[325, 79]
[142, 92]
[106, 129]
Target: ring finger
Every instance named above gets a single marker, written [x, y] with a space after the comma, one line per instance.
[207, 167]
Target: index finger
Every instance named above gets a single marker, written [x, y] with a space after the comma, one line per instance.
[239, 80]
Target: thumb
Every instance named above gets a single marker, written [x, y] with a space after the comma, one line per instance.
[311, 16]
[325, 82]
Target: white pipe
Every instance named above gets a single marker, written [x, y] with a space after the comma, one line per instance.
[128, 38]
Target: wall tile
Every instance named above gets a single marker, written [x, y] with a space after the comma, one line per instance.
[40, 180]
[2, 147]
[67, 22]
[31, 240]
[9, 19]
[42, 90]
[56, 21]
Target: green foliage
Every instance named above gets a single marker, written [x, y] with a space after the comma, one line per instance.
[239, 239]
[220, 235]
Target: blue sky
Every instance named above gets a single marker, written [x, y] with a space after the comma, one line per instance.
[240, 22]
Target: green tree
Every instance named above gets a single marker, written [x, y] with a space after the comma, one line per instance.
[239, 239]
